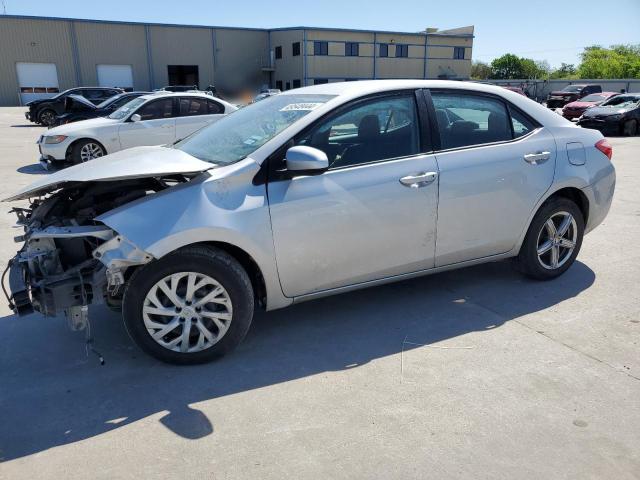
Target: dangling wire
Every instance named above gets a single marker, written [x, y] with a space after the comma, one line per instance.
[88, 337]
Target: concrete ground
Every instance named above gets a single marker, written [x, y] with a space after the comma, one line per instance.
[477, 373]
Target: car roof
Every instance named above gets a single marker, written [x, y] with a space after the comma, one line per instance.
[164, 94]
[364, 87]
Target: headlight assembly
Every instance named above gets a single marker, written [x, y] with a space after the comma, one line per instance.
[55, 139]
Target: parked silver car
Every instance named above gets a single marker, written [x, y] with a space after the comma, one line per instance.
[309, 193]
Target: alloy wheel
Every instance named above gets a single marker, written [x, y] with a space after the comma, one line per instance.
[89, 151]
[557, 240]
[187, 312]
[47, 117]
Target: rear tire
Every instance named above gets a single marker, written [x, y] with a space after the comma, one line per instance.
[548, 251]
[190, 325]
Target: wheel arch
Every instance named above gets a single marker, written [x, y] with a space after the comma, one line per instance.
[248, 263]
[75, 142]
[572, 193]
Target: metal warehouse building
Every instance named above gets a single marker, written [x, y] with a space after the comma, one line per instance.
[41, 56]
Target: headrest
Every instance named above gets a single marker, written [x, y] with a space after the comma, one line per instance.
[369, 127]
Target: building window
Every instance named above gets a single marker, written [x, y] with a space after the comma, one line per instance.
[321, 48]
[320, 81]
[351, 49]
[296, 49]
[296, 84]
[458, 53]
[402, 51]
[278, 52]
[384, 50]
[288, 86]
[279, 84]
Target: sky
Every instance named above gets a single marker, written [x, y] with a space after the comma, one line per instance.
[554, 31]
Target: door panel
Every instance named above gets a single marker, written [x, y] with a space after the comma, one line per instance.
[353, 225]
[157, 127]
[147, 132]
[185, 126]
[193, 114]
[487, 194]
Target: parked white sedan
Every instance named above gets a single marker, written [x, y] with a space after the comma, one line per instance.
[154, 119]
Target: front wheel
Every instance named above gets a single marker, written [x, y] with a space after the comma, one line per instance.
[189, 307]
[86, 150]
[47, 117]
[553, 240]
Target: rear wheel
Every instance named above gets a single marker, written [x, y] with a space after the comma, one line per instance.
[189, 307]
[553, 240]
[86, 150]
[630, 128]
[47, 117]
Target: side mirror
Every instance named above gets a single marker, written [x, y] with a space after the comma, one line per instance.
[306, 160]
[136, 117]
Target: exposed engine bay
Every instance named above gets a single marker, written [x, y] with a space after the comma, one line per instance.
[70, 260]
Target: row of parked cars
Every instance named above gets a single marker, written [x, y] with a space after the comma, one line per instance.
[86, 127]
[612, 113]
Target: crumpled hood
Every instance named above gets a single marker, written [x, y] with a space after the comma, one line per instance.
[580, 105]
[136, 162]
[593, 111]
[80, 100]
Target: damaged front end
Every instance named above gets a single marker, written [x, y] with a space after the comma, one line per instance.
[68, 259]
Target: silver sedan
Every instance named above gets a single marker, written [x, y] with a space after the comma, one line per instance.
[312, 192]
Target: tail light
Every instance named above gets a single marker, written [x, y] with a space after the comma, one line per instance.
[605, 147]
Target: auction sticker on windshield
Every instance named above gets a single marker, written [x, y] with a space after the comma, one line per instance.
[300, 106]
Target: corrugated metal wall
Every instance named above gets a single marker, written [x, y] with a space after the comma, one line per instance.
[181, 46]
[229, 58]
[38, 41]
[116, 44]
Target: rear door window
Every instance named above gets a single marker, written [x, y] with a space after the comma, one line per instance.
[190, 107]
[467, 119]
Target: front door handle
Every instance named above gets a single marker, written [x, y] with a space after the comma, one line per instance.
[537, 158]
[419, 180]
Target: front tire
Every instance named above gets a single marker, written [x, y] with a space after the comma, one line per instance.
[553, 240]
[189, 307]
[86, 150]
[47, 117]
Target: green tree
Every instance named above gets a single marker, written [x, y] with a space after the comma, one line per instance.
[506, 67]
[617, 61]
[480, 71]
[510, 66]
[566, 70]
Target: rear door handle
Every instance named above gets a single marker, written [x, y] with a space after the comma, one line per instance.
[537, 158]
[419, 180]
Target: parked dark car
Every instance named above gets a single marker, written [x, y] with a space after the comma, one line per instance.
[44, 111]
[79, 108]
[571, 93]
[619, 115]
[575, 109]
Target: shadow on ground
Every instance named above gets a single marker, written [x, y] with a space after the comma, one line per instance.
[52, 394]
[33, 169]
[32, 125]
